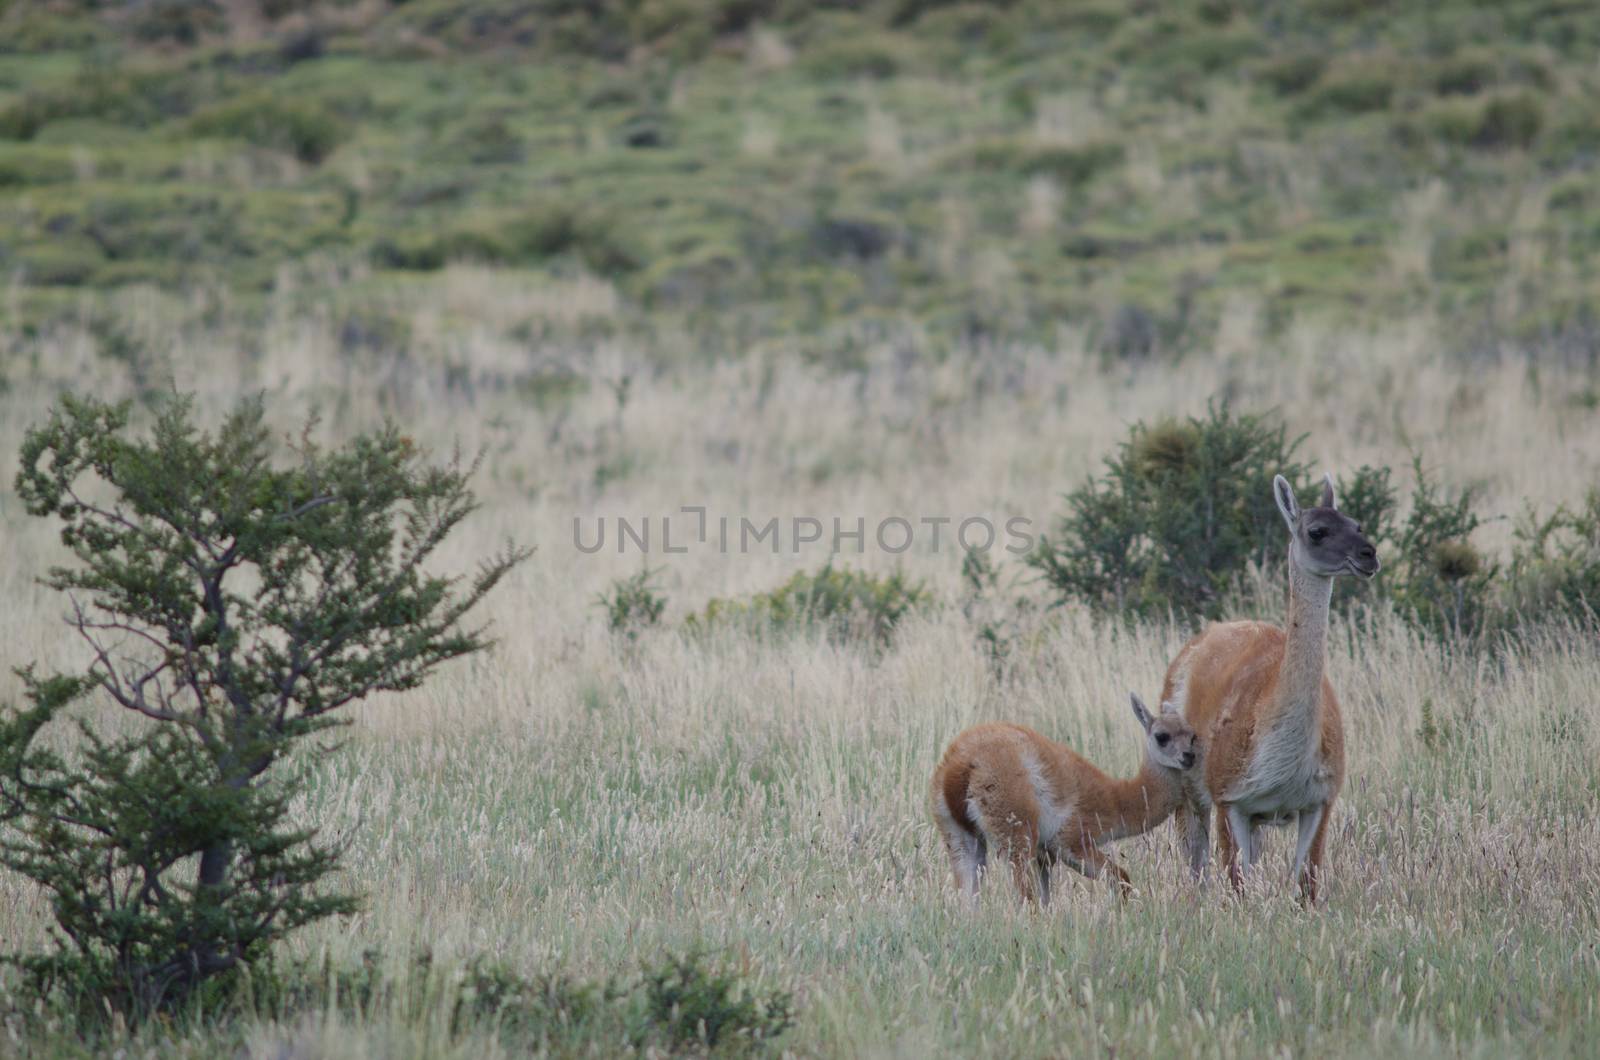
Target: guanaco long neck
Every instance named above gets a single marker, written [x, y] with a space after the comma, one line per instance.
[1305, 651]
[1141, 802]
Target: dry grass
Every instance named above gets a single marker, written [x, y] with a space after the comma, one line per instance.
[581, 802]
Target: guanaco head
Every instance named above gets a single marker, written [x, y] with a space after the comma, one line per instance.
[1169, 741]
[1323, 540]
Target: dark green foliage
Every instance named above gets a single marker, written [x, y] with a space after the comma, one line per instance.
[1355, 91]
[176, 21]
[137, 96]
[1001, 616]
[1070, 164]
[1465, 74]
[695, 1004]
[538, 234]
[1510, 121]
[1180, 511]
[847, 604]
[1435, 574]
[301, 128]
[1292, 74]
[232, 607]
[632, 604]
[677, 1005]
[1555, 563]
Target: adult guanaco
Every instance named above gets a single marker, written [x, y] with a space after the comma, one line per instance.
[1261, 702]
[1033, 801]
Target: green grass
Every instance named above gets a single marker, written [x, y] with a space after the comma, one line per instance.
[728, 140]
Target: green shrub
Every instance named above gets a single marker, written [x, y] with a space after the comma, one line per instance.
[555, 227]
[846, 604]
[45, 31]
[1072, 164]
[696, 1005]
[1465, 74]
[1555, 563]
[1510, 121]
[1353, 91]
[1004, 619]
[490, 139]
[1434, 574]
[166, 848]
[632, 604]
[303, 128]
[864, 53]
[1452, 121]
[21, 167]
[176, 21]
[1179, 513]
[677, 1005]
[1292, 74]
[66, 263]
[136, 96]
[534, 236]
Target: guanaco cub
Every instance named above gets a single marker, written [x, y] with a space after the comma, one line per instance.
[1035, 801]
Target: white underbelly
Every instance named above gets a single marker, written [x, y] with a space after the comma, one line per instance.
[1278, 796]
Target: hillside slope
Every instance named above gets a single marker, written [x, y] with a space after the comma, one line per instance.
[741, 168]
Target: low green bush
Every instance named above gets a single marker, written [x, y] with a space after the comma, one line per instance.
[1465, 74]
[865, 54]
[1510, 121]
[632, 604]
[1555, 563]
[848, 605]
[1357, 90]
[1076, 164]
[1291, 74]
[685, 1004]
[134, 96]
[302, 128]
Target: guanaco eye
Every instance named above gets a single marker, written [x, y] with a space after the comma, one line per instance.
[1318, 534]
[1162, 738]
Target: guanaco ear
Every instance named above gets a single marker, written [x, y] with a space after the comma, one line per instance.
[1327, 491]
[1284, 495]
[1140, 711]
[1168, 707]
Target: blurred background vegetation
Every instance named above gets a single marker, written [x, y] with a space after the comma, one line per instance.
[1156, 173]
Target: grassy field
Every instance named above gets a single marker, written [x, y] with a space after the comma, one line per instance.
[853, 264]
[584, 802]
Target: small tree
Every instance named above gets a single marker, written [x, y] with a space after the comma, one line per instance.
[231, 607]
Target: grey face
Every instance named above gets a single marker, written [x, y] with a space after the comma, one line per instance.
[1329, 543]
[1169, 741]
[1172, 743]
[1323, 540]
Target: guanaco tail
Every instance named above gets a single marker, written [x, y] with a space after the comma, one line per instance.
[1032, 801]
[1261, 702]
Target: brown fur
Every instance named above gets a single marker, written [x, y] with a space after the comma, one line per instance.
[1233, 671]
[990, 781]
[1260, 699]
